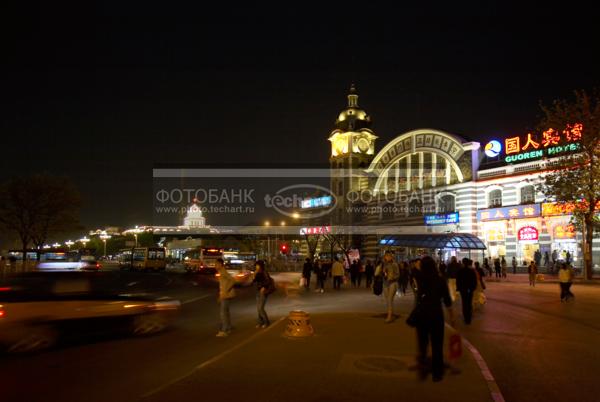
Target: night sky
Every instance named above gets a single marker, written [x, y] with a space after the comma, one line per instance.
[102, 94]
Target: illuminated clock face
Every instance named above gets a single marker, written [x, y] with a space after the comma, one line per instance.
[340, 145]
[363, 144]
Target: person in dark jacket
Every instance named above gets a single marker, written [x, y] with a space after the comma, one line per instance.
[451, 271]
[498, 268]
[432, 292]
[404, 277]
[261, 280]
[466, 283]
[354, 273]
[306, 271]
[369, 273]
[320, 273]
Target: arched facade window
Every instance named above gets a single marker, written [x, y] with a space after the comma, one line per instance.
[527, 194]
[495, 198]
[446, 203]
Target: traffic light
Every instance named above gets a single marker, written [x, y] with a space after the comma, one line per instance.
[284, 248]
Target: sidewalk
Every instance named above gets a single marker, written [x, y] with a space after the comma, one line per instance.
[548, 278]
[351, 357]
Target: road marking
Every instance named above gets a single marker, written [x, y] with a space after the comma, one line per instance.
[212, 360]
[195, 299]
[495, 392]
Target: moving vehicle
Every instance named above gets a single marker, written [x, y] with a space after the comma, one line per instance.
[243, 259]
[68, 260]
[125, 258]
[38, 309]
[149, 259]
[202, 260]
[242, 276]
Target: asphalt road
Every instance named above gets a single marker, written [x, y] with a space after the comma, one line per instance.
[537, 348]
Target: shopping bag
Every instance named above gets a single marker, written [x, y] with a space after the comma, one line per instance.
[302, 281]
[454, 345]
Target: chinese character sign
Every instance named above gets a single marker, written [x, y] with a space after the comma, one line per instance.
[514, 212]
[527, 233]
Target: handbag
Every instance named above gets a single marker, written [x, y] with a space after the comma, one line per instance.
[378, 285]
[417, 315]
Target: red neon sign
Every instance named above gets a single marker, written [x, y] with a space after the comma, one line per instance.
[528, 233]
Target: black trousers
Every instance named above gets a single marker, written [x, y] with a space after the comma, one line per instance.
[369, 280]
[337, 282]
[321, 282]
[432, 330]
[466, 297]
[565, 290]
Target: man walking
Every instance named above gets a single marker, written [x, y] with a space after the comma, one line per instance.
[306, 271]
[466, 283]
[226, 294]
[452, 270]
[337, 271]
[514, 264]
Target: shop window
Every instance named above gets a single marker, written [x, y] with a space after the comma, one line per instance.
[446, 203]
[527, 194]
[495, 198]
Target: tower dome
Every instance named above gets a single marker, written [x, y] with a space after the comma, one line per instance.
[353, 118]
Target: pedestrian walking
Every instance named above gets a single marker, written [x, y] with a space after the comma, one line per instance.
[532, 271]
[554, 258]
[369, 273]
[226, 294]
[466, 283]
[404, 277]
[264, 287]
[503, 267]
[391, 274]
[360, 273]
[432, 292]
[479, 295]
[514, 264]
[306, 271]
[565, 277]
[568, 257]
[452, 270]
[537, 257]
[354, 273]
[337, 271]
[497, 268]
[487, 267]
[320, 274]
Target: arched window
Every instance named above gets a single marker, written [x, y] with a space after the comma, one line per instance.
[446, 203]
[495, 198]
[527, 194]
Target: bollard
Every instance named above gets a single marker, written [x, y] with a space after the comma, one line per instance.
[299, 325]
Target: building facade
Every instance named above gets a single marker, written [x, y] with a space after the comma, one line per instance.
[427, 180]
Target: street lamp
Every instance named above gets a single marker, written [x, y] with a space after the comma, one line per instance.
[104, 238]
[267, 224]
[69, 243]
[84, 241]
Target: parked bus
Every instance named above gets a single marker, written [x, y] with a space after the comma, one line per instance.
[202, 260]
[125, 258]
[148, 259]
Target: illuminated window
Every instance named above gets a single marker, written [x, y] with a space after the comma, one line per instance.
[495, 198]
[527, 194]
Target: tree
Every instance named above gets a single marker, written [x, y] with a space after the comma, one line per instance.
[37, 207]
[575, 181]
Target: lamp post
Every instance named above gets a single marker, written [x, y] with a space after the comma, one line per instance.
[267, 224]
[69, 243]
[104, 238]
[84, 241]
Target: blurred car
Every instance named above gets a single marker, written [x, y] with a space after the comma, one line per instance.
[241, 275]
[85, 263]
[38, 309]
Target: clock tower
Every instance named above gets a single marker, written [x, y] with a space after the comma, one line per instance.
[352, 149]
